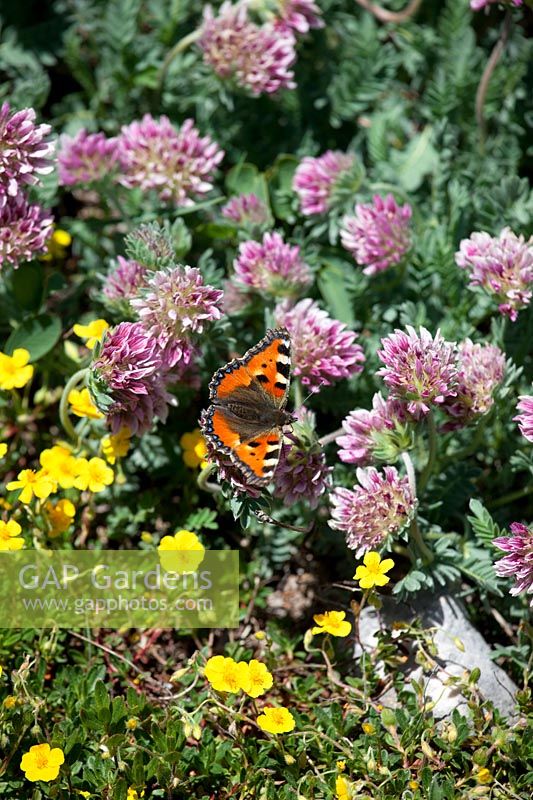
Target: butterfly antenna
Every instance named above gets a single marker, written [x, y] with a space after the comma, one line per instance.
[263, 517]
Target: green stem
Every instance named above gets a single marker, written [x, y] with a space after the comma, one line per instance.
[203, 483]
[420, 545]
[298, 394]
[178, 48]
[509, 498]
[71, 384]
[432, 455]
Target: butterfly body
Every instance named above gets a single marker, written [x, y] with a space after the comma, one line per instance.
[247, 412]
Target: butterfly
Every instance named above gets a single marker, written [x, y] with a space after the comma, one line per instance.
[247, 412]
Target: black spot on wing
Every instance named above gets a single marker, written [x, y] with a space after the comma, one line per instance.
[281, 386]
[262, 378]
[283, 369]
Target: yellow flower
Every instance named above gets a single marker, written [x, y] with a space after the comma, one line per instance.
[147, 537]
[15, 372]
[10, 538]
[42, 763]
[61, 465]
[260, 635]
[182, 552]
[226, 675]
[368, 728]
[373, 571]
[1, 670]
[3, 449]
[116, 445]
[59, 516]
[81, 404]
[93, 474]
[332, 622]
[194, 449]
[343, 788]
[133, 794]
[83, 794]
[56, 246]
[414, 785]
[10, 702]
[93, 332]
[484, 776]
[341, 765]
[276, 720]
[260, 679]
[131, 724]
[32, 483]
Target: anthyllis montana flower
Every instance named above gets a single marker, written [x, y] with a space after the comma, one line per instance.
[518, 564]
[302, 473]
[127, 378]
[271, 266]
[24, 151]
[502, 265]
[525, 419]
[378, 433]
[481, 369]
[24, 229]
[378, 236]
[247, 210]
[86, 158]
[319, 181]
[298, 15]
[324, 351]
[178, 164]
[175, 302]
[419, 369]
[124, 281]
[478, 5]
[381, 506]
[257, 58]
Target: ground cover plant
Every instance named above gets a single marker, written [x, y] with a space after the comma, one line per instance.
[177, 180]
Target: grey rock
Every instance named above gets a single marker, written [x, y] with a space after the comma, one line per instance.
[448, 617]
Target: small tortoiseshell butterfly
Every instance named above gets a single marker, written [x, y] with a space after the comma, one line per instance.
[247, 412]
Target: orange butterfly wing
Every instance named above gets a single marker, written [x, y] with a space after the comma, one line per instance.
[268, 363]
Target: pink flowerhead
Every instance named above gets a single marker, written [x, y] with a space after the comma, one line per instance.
[247, 210]
[128, 378]
[518, 564]
[86, 158]
[481, 369]
[378, 236]
[525, 419]
[302, 474]
[323, 350]
[319, 181]
[24, 229]
[271, 266]
[257, 58]
[419, 369]
[178, 164]
[477, 5]
[381, 506]
[123, 283]
[376, 434]
[174, 303]
[298, 15]
[502, 265]
[24, 153]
